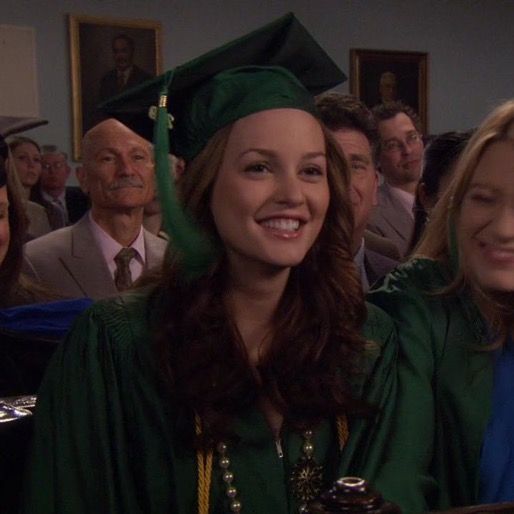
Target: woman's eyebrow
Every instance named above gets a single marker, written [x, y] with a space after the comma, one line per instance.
[273, 153]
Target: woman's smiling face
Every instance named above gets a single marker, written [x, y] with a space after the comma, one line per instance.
[486, 220]
[271, 192]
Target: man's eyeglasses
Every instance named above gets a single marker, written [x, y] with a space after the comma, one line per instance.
[54, 165]
[395, 145]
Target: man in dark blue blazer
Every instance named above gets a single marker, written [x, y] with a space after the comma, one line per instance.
[352, 125]
[64, 205]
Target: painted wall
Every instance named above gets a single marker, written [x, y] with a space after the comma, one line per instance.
[470, 43]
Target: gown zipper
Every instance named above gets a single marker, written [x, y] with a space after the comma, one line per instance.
[278, 446]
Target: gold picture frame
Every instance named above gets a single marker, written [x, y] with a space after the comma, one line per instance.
[108, 55]
[377, 76]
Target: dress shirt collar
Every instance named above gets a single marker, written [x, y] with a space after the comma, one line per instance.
[110, 247]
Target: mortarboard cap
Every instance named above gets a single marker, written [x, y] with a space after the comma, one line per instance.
[277, 66]
[10, 125]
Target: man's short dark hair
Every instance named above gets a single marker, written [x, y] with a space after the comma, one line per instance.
[383, 112]
[128, 39]
[338, 111]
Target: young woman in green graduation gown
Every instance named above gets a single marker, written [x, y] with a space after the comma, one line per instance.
[453, 305]
[249, 384]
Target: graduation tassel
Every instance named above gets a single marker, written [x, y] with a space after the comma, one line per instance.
[196, 251]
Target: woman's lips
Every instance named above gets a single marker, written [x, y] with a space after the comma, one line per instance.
[283, 227]
[498, 255]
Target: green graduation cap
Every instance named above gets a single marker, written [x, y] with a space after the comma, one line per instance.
[277, 66]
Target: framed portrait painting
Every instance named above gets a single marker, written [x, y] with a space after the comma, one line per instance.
[108, 56]
[381, 76]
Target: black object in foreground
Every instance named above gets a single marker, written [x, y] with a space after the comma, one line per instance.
[352, 495]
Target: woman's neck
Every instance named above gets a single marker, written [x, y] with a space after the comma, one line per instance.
[252, 300]
[123, 227]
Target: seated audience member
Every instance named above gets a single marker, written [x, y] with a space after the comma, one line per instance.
[254, 360]
[108, 248]
[24, 336]
[26, 155]
[453, 439]
[15, 288]
[25, 162]
[65, 205]
[439, 162]
[29, 333]
[353, 127]
[400, 158]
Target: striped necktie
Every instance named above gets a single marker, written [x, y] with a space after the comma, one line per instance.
[122, 275]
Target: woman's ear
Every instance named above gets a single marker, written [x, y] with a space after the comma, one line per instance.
[424, 199]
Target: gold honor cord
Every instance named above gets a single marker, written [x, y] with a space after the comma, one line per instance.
[204, 462]
[342, 431]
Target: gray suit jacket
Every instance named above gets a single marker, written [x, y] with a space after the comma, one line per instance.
[390, 219]
[381, 245]
[377, 265]
[69, 261]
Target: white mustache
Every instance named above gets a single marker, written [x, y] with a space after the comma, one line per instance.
[125, 182]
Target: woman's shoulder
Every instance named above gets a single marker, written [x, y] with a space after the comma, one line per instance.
[422, 275]
[424, 310]
[378, 326]
[411, 294]
[38, 219]
[34, 208]
[381, 345]
[116, 324]
[129, 311]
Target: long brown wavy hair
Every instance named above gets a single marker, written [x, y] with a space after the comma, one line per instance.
[441, 239]
[15, 287]
[11, 266]
[316, 344]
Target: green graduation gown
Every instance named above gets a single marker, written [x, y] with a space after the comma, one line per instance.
[444, 391]
[105, 436]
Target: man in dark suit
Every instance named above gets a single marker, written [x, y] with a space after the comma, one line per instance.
[64, 205]
[125, 74]
[108, 248]
[353, 127]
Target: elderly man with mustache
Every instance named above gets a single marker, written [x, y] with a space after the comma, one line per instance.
[107, 249]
